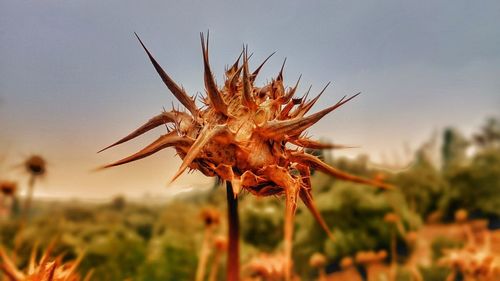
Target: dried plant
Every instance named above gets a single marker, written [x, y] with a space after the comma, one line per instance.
[249, 136]
[220, 245]
[36, 167]
[46, 269]
[8, 188]
[475, 263]
[395, 224]
[373, 263]
[211, 219]
[348, 272]
[412, 240]
[318, 261]
[346, 262]
[461, 216]
[7, 195]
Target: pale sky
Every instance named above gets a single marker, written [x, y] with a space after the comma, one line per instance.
[73, 78]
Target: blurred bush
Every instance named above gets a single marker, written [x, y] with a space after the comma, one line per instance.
[263, 222]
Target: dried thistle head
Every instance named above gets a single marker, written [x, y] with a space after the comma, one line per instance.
[35, 165]
[381, 255]
[391, 218]
[346, 262]
[220, 243]
[252, 136]
[317, 260]
[366, 257]
[411, 237]
[8, 188]
[46, 269]
[461, 215]
[210, 216]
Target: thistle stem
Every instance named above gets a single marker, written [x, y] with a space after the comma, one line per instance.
[215, 266]
[204, 253]
[322, 274]
[233, 257]
[29, 199]
[24, 216]
[290, 207]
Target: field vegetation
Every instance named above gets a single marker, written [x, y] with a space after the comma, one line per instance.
[439, 218]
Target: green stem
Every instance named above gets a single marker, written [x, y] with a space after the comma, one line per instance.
[233, 256]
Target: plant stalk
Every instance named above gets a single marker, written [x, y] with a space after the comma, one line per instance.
[29, 198]
[233, 256]
[24, 216]
[204, 254]
[215, 266]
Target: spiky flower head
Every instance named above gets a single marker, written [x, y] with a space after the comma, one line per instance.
[46, 269]
[249, 135]
[35, 165]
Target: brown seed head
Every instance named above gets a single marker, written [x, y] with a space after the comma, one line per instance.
[411, 237]
[210, 216]
[381, 255]
[365, 257]
[461, 215]
[220, 243]
[35, 165]
[317, 260]
[391, 218]
[346, 262]
[8, 188]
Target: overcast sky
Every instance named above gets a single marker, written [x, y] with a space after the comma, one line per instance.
[74, 79]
